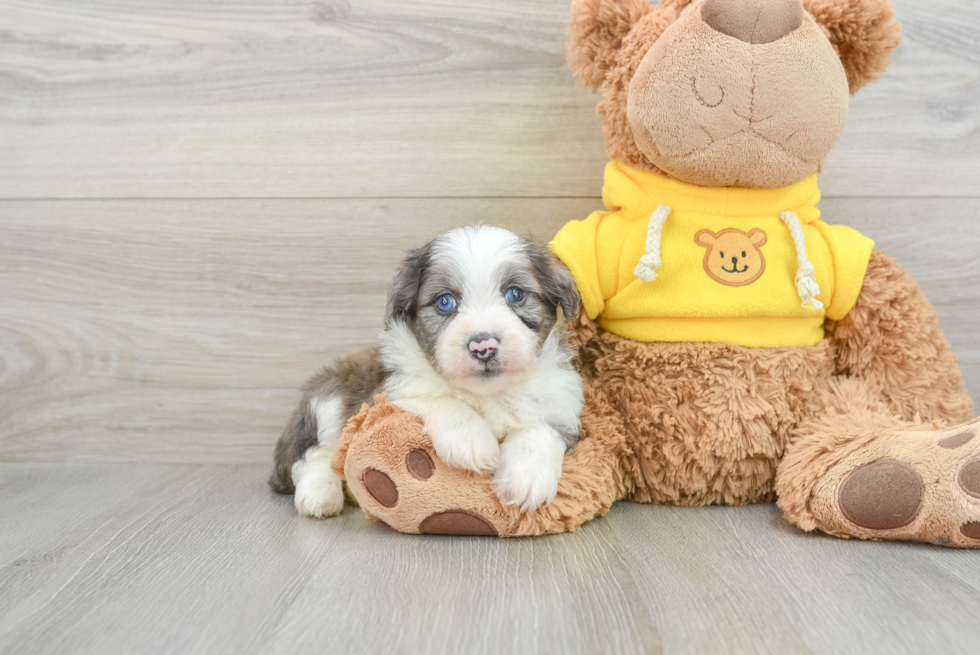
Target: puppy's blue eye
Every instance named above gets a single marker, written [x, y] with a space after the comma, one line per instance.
[445, 303]
[514, 295]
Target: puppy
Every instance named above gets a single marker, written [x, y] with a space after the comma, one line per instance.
[472, 345]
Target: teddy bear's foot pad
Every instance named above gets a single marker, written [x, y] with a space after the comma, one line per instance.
[396, 477]
[916, 486]
[883, 495]
[402, 509]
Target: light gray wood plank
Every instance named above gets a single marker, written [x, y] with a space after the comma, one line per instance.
[213, 562]
[180, 331]
[378, 98]
[44, 502]
[744, 580]
[206, 559]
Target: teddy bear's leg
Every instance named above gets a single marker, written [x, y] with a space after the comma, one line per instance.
[873, 456]
[392, 470]
[892, 340]
[856, 470]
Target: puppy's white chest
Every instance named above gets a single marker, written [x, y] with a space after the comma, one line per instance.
[501, 417]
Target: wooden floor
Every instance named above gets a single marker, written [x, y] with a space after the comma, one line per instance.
[155, 558]
[201, 201]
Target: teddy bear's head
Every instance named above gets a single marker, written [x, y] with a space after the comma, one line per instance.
[733, 257]
[745, 93]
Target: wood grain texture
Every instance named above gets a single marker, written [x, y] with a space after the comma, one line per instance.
[204, 559]
[386, 98]
[180, 331]
[176, 328]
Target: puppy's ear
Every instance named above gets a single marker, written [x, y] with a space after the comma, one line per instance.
[403, 296]
[862, 32]
[595, 35]
[558, 286]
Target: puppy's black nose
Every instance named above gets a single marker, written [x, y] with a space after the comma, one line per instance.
[483, 346]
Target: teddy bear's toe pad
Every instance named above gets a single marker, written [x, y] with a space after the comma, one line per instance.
[969, 478]
[380, 486]
[971, 529]
[457, 522]
[419, 464]
[956, 440]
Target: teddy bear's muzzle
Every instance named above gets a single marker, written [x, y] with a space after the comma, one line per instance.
[753, 21]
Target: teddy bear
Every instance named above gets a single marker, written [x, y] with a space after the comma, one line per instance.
[735, 347]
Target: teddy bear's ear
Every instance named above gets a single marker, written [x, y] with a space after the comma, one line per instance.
[596, 34]
[705, 238]
[862, 31]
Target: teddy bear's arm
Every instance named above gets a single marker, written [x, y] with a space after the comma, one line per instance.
[892, 339]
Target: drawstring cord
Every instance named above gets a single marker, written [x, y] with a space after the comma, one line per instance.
[646, 270]
[806, 281]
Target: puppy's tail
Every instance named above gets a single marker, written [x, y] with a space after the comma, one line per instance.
[281, 485]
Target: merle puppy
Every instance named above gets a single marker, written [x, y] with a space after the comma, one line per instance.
[472, 344]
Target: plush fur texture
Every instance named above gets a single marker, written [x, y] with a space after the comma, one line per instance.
[867, 434]
[862, 32]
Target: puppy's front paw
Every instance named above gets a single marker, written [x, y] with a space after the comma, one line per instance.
[528, 474]
[319, 494]
[470, 445]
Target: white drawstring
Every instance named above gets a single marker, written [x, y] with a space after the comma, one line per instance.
[806, 282]
[646, 270]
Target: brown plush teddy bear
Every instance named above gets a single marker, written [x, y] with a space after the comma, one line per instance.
[736, 348]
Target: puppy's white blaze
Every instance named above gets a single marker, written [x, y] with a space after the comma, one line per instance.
[481, 254]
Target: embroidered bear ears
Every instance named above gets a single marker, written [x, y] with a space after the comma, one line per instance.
[605, 35]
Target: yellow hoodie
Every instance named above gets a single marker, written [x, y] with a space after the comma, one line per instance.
[670, 261]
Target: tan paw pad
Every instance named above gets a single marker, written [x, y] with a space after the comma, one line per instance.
[969, 478]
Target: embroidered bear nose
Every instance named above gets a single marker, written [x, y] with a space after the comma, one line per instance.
[734, 260]
[753, 21]
[484, 346]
